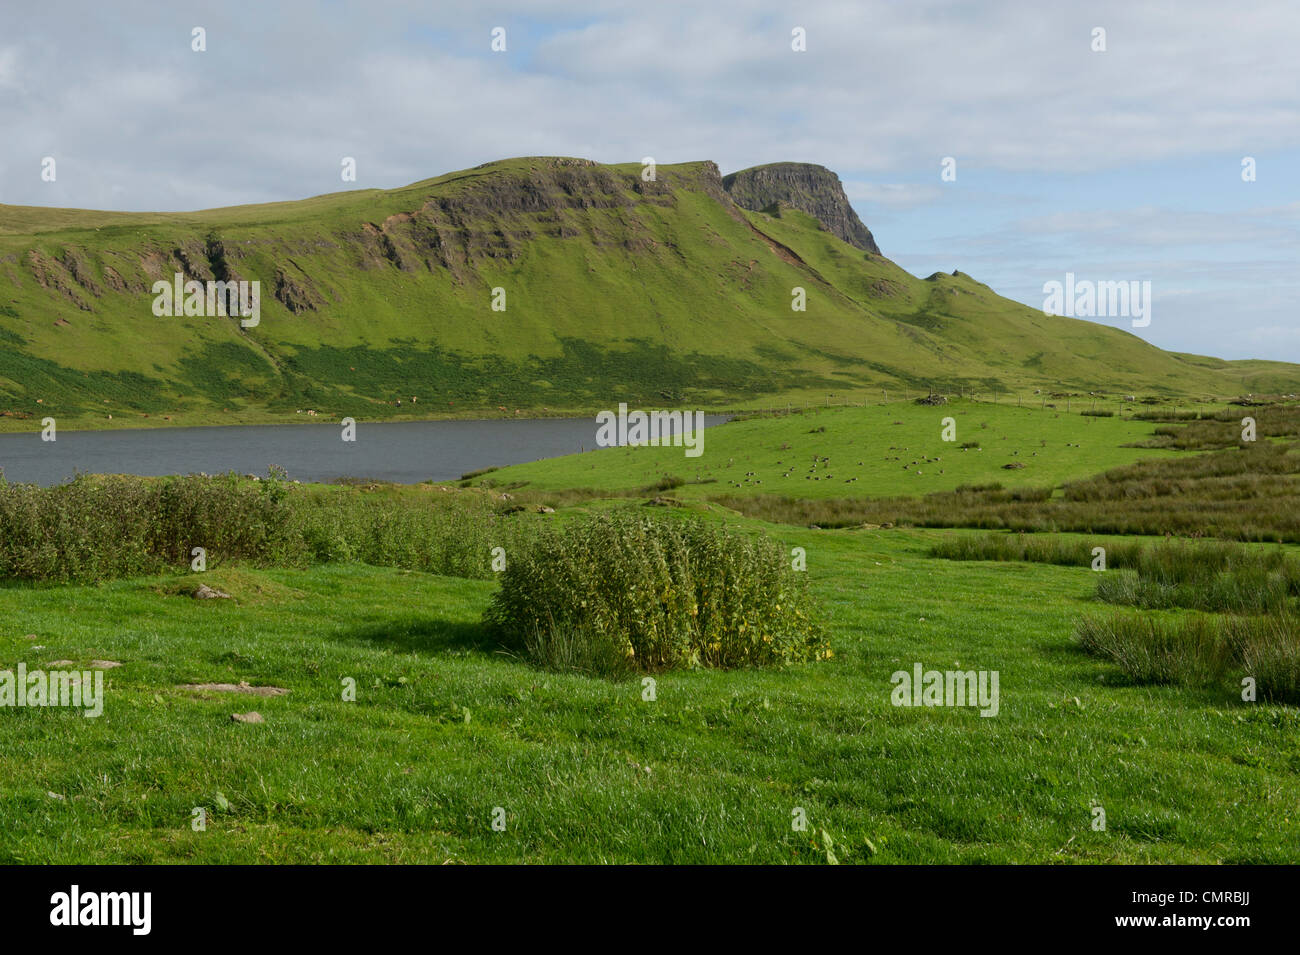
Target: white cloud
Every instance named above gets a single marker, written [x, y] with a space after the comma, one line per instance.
[884, 87]
[891, 195]
[9, 76]
[1161, 227]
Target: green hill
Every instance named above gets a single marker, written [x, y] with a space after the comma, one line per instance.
[674, 291]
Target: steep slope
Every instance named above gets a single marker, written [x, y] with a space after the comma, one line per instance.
[614, 289]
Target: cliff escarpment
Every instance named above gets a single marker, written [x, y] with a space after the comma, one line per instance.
[810, 189]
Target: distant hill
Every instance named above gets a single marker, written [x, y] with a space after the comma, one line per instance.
[671, 291]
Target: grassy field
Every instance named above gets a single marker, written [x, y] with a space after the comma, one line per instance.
[872, 451]
[444, 730]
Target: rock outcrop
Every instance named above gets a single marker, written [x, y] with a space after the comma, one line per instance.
[809, 188]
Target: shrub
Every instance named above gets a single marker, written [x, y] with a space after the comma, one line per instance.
[623, 591]
[451, 537]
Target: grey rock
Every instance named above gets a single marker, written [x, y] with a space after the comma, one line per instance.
[810, 189]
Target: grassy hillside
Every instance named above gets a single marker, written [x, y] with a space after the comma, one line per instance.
[616, 289]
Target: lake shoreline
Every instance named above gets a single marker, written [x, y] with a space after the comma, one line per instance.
[315, 450]
[83, 424]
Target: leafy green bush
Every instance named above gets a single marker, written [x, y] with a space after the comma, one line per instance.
[623, 591]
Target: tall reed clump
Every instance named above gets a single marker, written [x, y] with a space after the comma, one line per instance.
[624, 592]
[1035, 549]
[450, 537]
[1189, 652]
[101, 528]
[1202, 650]
[1216, 576]
[93, 529]
[1270, 652]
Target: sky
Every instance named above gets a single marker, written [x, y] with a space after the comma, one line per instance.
[1115, 164]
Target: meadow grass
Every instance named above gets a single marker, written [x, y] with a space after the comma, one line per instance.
[445, 728]
[1256, 586]
[1240, 494]
[1223, 429]
[854, 453]
[888, 464]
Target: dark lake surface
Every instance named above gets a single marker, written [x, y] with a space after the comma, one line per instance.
[406, 452]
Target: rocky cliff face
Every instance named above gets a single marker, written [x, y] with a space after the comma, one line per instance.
[489, 216]
[811, 189]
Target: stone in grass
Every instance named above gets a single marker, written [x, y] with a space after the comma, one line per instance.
[104, 664]
[241, 687]
[205, 592]
[253, 717]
